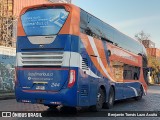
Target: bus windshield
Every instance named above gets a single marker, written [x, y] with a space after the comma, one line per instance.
[44, 22]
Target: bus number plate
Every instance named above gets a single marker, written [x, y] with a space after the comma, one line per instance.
[40, 87]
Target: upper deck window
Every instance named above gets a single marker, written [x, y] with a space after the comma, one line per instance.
[43, 22]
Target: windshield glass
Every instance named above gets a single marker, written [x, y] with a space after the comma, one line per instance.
[43, 22]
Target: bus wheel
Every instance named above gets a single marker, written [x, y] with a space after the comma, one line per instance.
[140, 94]
[100, 101]
[111, 99]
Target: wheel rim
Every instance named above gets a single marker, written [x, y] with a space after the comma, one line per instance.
[111, 99]
[99, 100]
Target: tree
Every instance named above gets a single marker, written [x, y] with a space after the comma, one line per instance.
[154, 64]
[142, 36]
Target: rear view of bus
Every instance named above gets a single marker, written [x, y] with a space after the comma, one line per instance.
[66, 56]
[44, 46]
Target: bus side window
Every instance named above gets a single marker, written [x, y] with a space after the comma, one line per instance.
[128, 75]
[135, 76]
[131, 72]
[117, 70]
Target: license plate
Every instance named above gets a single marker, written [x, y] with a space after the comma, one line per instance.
[40, 87]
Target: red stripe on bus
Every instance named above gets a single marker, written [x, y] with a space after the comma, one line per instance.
[44, 91]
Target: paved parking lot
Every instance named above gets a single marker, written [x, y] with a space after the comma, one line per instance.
[151, 102]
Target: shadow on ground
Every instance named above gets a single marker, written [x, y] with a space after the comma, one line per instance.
[84, 112]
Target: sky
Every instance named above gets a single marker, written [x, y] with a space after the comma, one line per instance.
[128, 16]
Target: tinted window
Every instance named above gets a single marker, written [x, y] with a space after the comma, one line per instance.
[93, 26]
[131, 72]
[108, 32]
[90, 25]
[44, 21]
[84, 21]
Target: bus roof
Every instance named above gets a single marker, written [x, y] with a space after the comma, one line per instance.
[121, 37]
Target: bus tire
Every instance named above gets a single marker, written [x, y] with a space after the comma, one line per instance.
[100, 101]
[111, 99]
[140, 94]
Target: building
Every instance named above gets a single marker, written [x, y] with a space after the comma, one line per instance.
[6, 13]
[148, 44]
[153, 52]
[8, 25]
[6, 7]
[19, 4]
[9, 11]
[13, 7]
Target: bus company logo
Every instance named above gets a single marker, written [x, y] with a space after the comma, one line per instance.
[6, 114]
[29, 78]
[21, 114]
[36, 74]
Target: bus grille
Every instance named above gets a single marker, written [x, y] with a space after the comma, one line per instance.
[42, 59]
[85, 64]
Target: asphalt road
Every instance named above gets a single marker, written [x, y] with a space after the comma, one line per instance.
[151, 102]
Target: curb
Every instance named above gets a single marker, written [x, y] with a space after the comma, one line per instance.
[154, 85]
[7, 97]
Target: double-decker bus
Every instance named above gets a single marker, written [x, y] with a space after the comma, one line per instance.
[68, 57]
